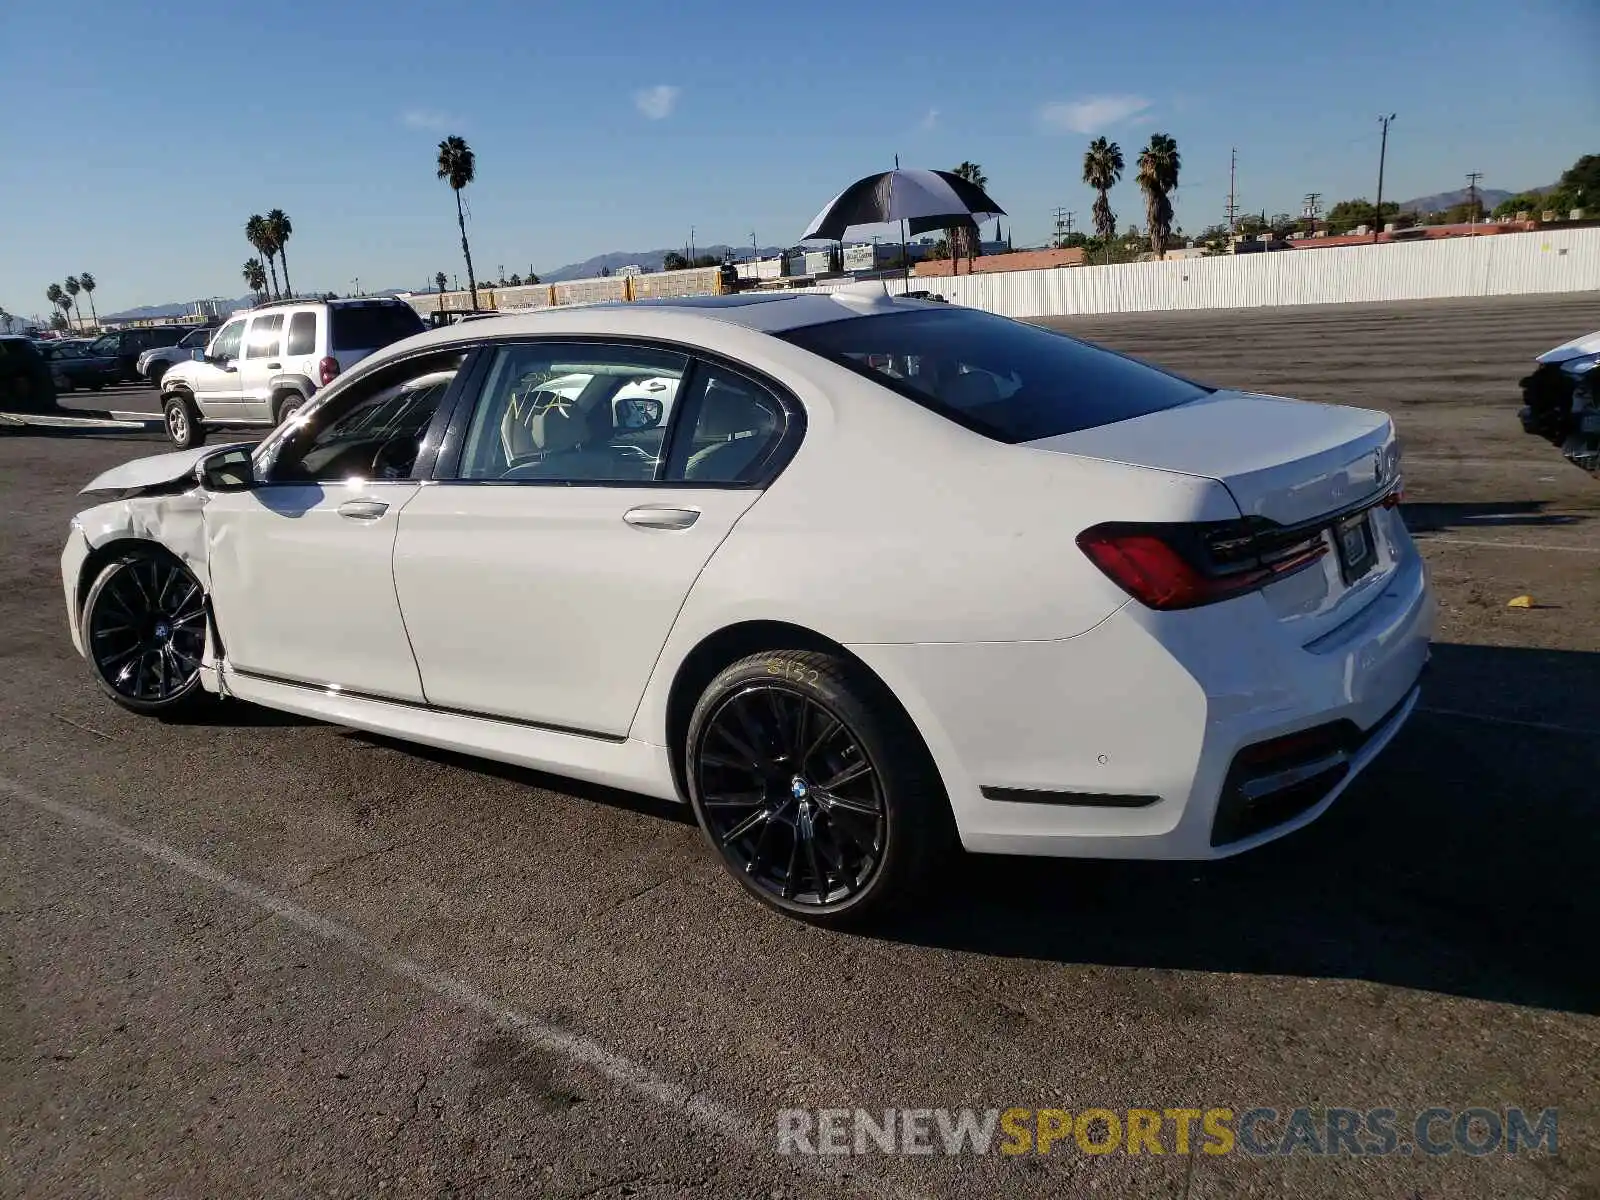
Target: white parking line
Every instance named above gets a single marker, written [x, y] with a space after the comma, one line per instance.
[577, 1049]
[1425, 538]
[1543, 726]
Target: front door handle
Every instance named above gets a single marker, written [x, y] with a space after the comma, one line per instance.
[363, 510]
[274, 366]
[648, 517]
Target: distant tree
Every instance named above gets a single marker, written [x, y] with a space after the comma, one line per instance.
[1102, 168]
[87, 282]
[516, 281]
[58, 320]
[1159, 164]
[531, 279]
[962, 242]
[59, 299]
[457, 165]
[5, 319]
[1282, 225]
[605, 272]
[279, 230]
[439, 281]
[331, 296]
[260, 237]
[673, 261]
[1347, 214]
[255, 277]
[72, 289]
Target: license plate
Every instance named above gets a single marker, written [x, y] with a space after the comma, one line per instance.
[1356, 553]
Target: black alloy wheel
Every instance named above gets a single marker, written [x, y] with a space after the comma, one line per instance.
[144, 630]
[818, 797]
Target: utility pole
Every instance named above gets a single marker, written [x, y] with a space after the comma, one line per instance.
[691, 245]
[1063, 226]
[755, 250]
[1233, 199]
[1472, 197]
[1383, 152]
[1313, 209]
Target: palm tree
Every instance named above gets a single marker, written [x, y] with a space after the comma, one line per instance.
[1102, 168]
[72, 293]
[962, 241]
[5, 319]
[87, 283]
[58, 298]
[458, 166]
[257, 234]
[255, 277]
[279, 227]
[1158, 177]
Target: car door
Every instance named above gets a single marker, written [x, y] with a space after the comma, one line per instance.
[301, 564]
[541, 572]
[216, 378]
[263, 358]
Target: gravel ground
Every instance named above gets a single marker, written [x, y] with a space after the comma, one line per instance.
[271, 958]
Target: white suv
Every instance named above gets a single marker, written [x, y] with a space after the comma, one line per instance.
[263, 364]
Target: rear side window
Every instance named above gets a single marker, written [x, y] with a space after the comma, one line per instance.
[1007, 380]
[371, 326]
[266, 336]
[302, 333]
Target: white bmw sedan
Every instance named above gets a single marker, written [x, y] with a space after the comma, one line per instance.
[856, 578]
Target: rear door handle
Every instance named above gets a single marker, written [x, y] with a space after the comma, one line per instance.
[660, 518]
[363, 510]
[274, 366]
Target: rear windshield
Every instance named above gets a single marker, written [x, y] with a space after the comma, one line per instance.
[372, 326]
[1007, 380]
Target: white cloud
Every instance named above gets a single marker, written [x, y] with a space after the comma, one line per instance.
[931, 121]
[433, 122]
[657, 102]
[1090, 114]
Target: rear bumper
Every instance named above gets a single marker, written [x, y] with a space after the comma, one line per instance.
[1130, 742]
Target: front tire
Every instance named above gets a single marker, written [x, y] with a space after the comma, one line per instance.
[144, 633]
[814, 789]
[183, 422]
[157, 373]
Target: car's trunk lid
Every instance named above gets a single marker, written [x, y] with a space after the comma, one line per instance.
[1290, 466]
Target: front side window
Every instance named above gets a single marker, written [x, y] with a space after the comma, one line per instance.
[103, 346]
[227, 344]
[266, 336]
[196, 339]
[372, 430]
[302, 334]
[573, 413]
[1007, 380]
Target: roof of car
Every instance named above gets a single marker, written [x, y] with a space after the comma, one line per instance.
[767, 312]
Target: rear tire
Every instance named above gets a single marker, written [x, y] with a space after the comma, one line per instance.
[815, 789]
[183, 422]
[144, 634]
[286, 405]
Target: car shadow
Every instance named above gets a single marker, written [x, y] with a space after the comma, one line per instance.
[1435, 518]
[1461, 862]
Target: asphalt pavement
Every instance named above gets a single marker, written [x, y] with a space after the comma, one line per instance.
[266, 957]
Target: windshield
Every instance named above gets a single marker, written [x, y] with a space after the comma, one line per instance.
[1005, 379]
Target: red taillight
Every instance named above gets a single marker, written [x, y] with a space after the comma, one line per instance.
[327, 369]
[1150, 568]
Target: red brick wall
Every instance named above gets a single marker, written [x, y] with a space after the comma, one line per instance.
[1022, 260]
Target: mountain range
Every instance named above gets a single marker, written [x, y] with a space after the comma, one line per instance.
[651, 260]
[1439, 201]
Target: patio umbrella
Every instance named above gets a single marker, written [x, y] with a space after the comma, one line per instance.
[902, 195]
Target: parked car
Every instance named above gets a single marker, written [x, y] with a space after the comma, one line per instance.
[71, 368]
[119, 350]
[264, 364]
[155, 362]
[1561, 400]
[1011, 588]
[25, 382]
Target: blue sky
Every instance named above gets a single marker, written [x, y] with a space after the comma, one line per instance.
[135, 143]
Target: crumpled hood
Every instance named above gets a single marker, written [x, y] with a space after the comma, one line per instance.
[1577, 348]
[154, 471]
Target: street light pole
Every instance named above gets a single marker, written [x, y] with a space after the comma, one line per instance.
[1383, 150]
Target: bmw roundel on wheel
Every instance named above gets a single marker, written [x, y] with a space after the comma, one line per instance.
[859, 579]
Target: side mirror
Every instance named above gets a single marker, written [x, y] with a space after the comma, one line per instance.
[230, 470]
[198, 354]
[639, 413]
